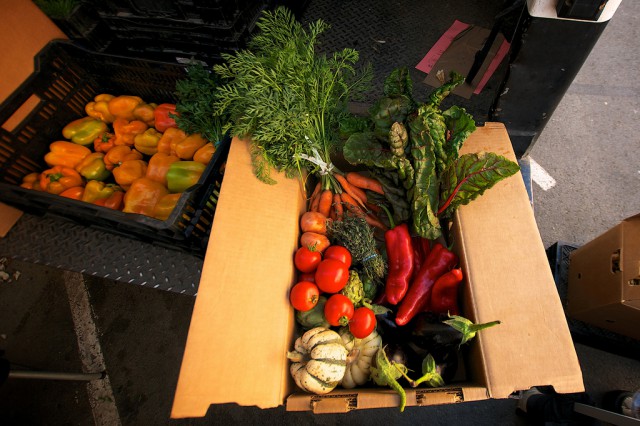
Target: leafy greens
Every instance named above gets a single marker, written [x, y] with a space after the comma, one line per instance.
[287, 97]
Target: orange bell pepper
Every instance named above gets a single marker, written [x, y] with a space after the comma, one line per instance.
[147, 142]
[159, 166]
[99, 108]
[123, 106]
[205, 153]
[75, 193]
[170, 138]
[186, 148]
[64, 153]
[118, 155]
[145, 113]
[31, 181]
[129, 171]
[126, 131]
[142, 196]
[165, 206]
[58, 178]
[104, 142]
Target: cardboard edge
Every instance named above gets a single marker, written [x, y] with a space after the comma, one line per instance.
[193, 394]
[346, 400]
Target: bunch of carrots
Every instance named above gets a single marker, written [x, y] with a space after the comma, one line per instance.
[331, 200]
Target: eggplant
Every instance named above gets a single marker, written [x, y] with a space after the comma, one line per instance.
[388, 329]
[433, 333]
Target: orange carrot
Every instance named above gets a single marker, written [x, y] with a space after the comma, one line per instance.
[337, 205]
[349, 189]
[326, 198]
[332, 213]
[374, 207]
[351, 204]
[375, 222]
[314, 195]
[365, 182]
[313, 203]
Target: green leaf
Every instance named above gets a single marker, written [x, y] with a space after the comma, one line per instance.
[460, 125]
[386, 373]
[424, 202]
[469, 177]
[365, 149]
[399, 83]
[430, 373]
[466, 327]
[387, 111]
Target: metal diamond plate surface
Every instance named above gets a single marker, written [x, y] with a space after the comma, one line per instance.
[391, 34]
[62, 244]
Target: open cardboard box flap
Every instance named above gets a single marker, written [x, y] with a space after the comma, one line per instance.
[511, 281]
[242, 325]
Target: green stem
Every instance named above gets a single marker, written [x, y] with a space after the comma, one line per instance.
[386, 210]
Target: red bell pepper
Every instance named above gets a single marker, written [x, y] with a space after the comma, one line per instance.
[439, 261]
[400, 259]
[164, 116]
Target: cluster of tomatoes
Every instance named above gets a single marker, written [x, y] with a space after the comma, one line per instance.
[328, 272]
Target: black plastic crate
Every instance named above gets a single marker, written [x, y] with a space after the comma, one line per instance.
[66, 78]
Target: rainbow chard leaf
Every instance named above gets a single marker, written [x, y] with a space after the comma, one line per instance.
[469, 176]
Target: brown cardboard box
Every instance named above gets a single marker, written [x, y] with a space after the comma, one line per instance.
[242, 324]
[604, 280]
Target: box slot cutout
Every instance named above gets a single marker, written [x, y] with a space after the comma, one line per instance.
[615, 261]
[21, 113]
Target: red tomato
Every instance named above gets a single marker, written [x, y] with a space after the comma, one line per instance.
[338, 253]
[362, 323]
[304, 296]
[338, 310]
[307, 276]
[332, 275]
[307, 260]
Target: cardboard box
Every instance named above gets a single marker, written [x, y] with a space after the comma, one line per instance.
[604, 280]
[242, 324]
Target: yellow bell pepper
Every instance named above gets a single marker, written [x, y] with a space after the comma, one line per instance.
[147, 142]
[92, 167]
[64, 153]
[84, 131]
[165, 206]
[99, 108]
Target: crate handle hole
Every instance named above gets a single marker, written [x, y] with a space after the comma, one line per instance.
[615, 261]
[21, 113]
[634, 281]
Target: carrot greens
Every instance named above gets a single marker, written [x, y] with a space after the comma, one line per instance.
[288, 97]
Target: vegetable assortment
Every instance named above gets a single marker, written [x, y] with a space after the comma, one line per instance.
[127, 155]
[373, 262]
